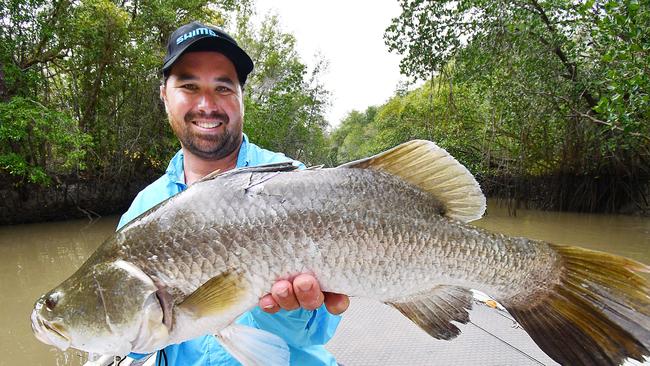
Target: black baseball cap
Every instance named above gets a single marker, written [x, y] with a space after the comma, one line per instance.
[196, 36]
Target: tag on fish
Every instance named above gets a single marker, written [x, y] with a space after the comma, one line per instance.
[254, 347]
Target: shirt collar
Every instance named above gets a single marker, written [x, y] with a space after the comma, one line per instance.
[244, 157]
[175, 168]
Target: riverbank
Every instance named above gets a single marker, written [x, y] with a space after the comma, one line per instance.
[69, 199]
[73, 198]
[571, 193]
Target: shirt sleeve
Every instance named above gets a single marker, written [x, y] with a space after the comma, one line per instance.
[299, 328]
[131, 213]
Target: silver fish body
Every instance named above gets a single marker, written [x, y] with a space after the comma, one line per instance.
[362, 232]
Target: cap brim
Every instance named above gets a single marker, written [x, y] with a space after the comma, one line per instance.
[239, 58]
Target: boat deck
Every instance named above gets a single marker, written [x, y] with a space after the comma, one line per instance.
[372, 333]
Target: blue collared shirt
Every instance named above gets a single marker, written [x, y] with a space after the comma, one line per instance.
[304, 331]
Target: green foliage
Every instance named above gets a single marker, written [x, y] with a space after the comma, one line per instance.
[96, 63]
[433, 111]
[562, 87]
[350, 140]
[284, 102]
[89, 70]
[37, 143]
[621, 49]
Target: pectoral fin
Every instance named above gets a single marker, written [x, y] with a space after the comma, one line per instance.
[216, 295]
[254, 347]
[434, 310]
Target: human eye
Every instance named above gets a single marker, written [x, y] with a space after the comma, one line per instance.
[188, 86]
[223, 89]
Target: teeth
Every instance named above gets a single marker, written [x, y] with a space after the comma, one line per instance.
[207, 124]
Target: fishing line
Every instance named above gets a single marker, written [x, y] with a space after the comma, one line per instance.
[162, 351]
[117, 361]
[510, 345]
[516, 324]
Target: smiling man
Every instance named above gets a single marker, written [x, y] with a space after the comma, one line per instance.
[204, 75]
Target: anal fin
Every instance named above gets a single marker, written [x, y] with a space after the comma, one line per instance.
[254, 347]
[434, 310]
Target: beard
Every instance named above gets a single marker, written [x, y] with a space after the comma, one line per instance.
[212, 146]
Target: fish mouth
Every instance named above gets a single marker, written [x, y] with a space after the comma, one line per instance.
[48, 332]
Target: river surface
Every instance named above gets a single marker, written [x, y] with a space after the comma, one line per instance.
[34, 258]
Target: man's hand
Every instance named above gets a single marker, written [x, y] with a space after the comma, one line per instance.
[302, 292]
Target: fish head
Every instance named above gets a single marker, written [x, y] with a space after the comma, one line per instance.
[108, 308]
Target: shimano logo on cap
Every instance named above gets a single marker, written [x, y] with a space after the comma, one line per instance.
[194, 33]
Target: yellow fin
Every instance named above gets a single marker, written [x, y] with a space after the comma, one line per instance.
[216, 295]
[598, 313]
[431, 168]
[434, 310]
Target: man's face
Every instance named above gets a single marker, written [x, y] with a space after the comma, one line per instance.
[204, 105]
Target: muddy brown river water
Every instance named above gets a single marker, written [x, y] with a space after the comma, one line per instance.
[34, 258]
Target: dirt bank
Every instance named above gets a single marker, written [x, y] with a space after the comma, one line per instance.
[78, 198]
[69, 198]
[578, 193]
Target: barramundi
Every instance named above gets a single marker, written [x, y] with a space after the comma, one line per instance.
[392, 227]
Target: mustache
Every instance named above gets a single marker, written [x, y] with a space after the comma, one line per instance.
[222, 117]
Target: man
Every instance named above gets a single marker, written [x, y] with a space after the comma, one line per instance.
[204, 74]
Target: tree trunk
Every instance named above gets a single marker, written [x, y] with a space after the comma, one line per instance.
[4, 93]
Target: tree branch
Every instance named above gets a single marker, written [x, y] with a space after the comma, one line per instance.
[610, 125]
[571, 67]
[4, 93]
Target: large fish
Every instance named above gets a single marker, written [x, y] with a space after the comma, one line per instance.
[390, 227]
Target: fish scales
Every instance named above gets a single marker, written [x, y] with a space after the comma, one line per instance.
[342, 224]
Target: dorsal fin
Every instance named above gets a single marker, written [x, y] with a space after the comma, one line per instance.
[284, 166]
[431, 168]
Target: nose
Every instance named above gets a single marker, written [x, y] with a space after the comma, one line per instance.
[208, 103]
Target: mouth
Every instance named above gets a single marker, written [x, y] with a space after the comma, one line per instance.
[208, 124]
[48, 333]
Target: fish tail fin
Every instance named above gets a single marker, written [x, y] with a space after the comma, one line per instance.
[599, 313]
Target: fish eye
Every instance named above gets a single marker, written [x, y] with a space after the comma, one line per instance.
[51, 301]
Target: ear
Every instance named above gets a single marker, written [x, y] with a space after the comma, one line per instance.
[242, 105]
[163, 95]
